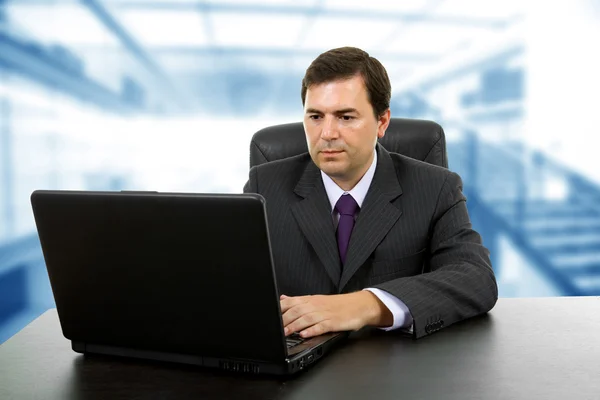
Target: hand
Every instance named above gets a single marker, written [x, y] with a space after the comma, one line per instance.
[319, 314]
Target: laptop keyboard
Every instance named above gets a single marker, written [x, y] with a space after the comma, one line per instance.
[293, 340]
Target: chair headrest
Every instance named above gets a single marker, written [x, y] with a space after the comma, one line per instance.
[419, 139]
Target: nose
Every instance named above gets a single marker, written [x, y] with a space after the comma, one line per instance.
[330, 130]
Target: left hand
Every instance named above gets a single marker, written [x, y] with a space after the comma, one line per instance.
[319, 314]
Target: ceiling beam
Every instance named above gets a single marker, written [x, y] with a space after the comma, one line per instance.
[234, 51]
[296, 10]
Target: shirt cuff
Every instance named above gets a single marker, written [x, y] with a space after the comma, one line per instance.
[399, 310]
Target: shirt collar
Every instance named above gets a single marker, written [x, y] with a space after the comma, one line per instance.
[358, 192]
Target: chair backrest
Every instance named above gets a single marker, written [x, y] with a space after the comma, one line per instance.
[419, 139]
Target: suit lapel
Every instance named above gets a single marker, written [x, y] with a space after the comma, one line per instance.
[377, 216]
[313, 214]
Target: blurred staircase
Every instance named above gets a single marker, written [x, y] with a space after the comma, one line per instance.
[550, 213]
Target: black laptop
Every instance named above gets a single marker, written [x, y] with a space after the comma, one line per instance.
[169, 276]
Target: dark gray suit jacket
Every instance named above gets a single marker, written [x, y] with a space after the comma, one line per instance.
[412, 238]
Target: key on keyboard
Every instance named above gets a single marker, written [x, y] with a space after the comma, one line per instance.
[293, 340]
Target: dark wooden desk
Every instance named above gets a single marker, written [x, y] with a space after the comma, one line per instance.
[524, 349]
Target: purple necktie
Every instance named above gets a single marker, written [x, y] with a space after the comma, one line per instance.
[346, 207]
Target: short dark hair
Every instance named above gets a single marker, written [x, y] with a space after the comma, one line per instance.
[346, 62]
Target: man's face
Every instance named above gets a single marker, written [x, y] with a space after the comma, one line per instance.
[341, 128]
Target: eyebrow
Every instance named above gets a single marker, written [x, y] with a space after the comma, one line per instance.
[337, 112]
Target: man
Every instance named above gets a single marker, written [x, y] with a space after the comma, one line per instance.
[362, 236]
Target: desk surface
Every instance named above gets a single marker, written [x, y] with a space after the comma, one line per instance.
[546, 348]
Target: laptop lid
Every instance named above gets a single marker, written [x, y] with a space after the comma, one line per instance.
[177, 273]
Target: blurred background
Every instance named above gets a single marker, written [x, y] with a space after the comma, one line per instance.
[166, 94]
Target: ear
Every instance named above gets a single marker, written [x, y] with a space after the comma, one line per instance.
[383, 123]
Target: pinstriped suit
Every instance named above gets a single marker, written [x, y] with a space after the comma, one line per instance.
[412, 238]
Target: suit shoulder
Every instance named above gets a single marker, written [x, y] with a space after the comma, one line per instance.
[419, 174]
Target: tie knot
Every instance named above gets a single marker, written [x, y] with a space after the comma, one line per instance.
[346, 205]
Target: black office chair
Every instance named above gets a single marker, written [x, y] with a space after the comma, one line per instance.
[419, 139]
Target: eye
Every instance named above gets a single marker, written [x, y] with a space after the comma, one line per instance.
[314, 117]
[347, 117]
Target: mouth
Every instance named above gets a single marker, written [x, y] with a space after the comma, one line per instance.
[331, 152]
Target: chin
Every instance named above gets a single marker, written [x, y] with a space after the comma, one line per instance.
[332, 167]
[332, 170]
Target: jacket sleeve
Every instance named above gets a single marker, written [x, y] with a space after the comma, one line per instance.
[460, 283]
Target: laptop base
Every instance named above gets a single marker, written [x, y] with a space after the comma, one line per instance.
[291, 365]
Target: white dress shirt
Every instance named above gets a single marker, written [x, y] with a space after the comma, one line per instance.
[399, 310]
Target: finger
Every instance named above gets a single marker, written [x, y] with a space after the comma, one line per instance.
[318, 329]
[305, 321]
[283, 296]
[296, 312]
[290, 302]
